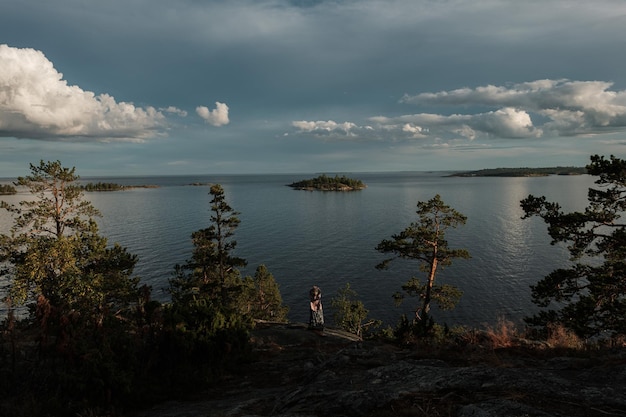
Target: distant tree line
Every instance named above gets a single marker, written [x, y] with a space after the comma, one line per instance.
[522, 172]
[102, 186]
[326, 183]
[7, 189]
[109, 186]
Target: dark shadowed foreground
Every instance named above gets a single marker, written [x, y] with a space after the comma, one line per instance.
[306, 373]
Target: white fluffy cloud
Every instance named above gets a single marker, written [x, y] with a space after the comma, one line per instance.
[217, 117]
[325, 126]
[526, 110]
[333, 130]
[503, 123]
[570, 107]
[36, 103]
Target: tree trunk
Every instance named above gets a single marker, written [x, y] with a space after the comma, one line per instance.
[429, 284]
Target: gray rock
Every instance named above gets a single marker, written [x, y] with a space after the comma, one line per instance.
[313, 374]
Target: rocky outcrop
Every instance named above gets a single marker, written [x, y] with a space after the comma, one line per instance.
[331, 373]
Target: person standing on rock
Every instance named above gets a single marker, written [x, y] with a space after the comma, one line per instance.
[316, 320]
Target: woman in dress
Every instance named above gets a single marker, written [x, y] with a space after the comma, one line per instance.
[316, 320]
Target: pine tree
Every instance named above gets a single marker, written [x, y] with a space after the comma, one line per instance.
[84, 301]
[56, 257]
[207, 289]
[589, 297]
[264, 299]
[425, 242]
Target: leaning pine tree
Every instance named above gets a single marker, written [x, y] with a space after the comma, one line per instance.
[424, 241]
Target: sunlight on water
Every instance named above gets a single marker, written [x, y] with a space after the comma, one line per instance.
[329, 239]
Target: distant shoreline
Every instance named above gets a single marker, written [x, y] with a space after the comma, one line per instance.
[111, 186]
[522, 172]
[491, 172]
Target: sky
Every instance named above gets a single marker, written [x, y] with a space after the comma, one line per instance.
[156, 87]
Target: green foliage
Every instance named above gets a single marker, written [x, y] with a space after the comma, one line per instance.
[110, 186]
[446, 296]
[209, 297]
[349, 312]
[206, 326]
[86, 310]
[93, 339]
[102, 186]
[408, 331]
[588, 298]
[212, 270]
[263, 296]
[6, 189]
[425, 242]
[55, 254]
[58, 206]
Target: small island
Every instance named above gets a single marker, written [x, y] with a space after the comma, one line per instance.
[326, 183]
[522, 172]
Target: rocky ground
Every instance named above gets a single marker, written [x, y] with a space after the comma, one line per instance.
[307, 373]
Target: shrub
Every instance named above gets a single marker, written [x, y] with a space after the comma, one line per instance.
[562, 338]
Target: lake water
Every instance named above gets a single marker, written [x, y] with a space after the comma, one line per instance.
[329, 239]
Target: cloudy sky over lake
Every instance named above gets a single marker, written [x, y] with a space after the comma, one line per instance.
[138, 87]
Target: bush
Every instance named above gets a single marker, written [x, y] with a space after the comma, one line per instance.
[350, 313]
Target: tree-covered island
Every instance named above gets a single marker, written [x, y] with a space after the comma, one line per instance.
[522, 172]
[326, 183]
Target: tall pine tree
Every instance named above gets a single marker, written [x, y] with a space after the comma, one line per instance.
[208, 288]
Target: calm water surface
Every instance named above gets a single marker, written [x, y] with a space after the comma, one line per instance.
[328, 239]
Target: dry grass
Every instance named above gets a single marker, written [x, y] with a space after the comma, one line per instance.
[561, 338]
[505, 344]
[503, 335]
